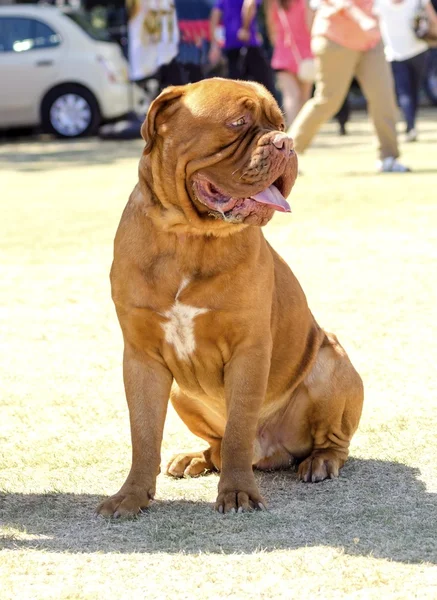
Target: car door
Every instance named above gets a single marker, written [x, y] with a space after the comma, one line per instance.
[30, 53]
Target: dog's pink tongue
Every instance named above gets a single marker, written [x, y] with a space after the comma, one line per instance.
[273, 197]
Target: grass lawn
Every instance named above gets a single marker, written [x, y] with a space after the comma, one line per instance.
[364, 247]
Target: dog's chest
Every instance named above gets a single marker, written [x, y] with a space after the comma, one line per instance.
[179, 325]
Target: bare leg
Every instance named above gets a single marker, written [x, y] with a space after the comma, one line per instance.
[291, 95]
[305, 92]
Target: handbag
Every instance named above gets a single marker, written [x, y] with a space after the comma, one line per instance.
[306, 67]
[423, 28]
[307, 70]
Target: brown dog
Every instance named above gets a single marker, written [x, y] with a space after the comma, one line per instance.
[207, 305]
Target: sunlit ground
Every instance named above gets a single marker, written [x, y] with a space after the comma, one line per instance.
[364, 247]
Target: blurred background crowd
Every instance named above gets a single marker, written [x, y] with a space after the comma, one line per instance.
[70, 66]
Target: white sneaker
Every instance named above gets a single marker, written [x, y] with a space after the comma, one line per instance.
[411, 136]
[391, 165]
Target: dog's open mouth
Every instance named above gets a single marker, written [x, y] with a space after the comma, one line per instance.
[257, 208]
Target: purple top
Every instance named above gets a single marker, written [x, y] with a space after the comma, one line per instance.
[231, 18]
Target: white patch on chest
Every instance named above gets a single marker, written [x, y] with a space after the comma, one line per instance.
[179, 329]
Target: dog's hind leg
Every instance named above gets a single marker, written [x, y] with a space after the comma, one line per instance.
[206, 424]
[335, 398]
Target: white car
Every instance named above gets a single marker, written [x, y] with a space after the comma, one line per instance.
[56, 73]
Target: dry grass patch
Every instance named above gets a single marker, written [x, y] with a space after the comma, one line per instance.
[363, 247]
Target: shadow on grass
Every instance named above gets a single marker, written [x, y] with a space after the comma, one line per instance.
[40, 155]
[375, 508]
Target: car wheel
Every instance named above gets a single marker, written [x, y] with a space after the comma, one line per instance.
[430, 80]
[70, 111]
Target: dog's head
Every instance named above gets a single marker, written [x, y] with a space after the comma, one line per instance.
[217, 156]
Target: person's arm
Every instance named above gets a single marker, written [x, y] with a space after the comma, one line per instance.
[214, 22]
[432, 16]
[337, 5]
[348, 6]
[366, 23]
[270, 23]
[248, 13]
[310, 11]
[214, 50]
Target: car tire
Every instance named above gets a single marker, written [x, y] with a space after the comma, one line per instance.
[70, 111]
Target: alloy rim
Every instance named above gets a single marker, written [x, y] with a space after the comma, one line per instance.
[70, 115]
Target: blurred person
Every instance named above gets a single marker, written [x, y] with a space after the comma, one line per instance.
[346, 43]
[193, 22]
[242, 41]
[152, 46]
[288, 25]
[153, 42]
[405, 52]
[343, 115]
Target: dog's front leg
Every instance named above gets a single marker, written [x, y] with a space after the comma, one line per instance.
[246, 379]
[147, 383]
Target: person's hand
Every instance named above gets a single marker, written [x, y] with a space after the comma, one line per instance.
[243, 34]
[367, 24]
[374, 34]
[214, 54]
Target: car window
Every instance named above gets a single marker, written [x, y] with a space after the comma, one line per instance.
[20, 34]
[101, 35]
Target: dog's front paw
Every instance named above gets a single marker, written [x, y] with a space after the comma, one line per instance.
[125, 504]
[239, 498]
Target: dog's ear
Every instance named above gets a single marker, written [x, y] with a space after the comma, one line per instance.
[163, 101]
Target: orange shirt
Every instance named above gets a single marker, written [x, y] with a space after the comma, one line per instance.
[342, 22]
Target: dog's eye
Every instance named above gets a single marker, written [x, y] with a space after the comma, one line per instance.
[239, 122]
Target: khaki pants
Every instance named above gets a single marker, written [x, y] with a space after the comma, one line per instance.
[336, 67]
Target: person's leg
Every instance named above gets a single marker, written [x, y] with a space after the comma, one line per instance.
[305, 89]
[403, 76]
[343, 115]
[194, 72]
[290, 90]
[258, 68]
[171, 74]
[335, 68]
[417, 64]
[234, 63]
[376, 81]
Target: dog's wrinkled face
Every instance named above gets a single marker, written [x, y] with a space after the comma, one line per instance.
[225, 142]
